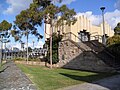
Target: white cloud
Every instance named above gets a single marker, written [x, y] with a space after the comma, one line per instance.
[17, 45]
[15, 6]
[39, 44]
[117, 4]
[111, 18]
[67, 1]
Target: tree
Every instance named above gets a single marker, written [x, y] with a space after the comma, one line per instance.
[29, 49]
[116, 38]
[44, 11]
[50, 13]
[4, 33]
[113, 43]
[4, 28]
[26, 27]
[56, 38]
[113, 40]
[117, 29]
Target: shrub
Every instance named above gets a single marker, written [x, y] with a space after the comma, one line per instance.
[18, 59]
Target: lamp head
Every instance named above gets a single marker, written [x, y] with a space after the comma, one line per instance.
[102, 8]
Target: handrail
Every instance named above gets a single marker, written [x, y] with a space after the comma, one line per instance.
[70, 33]
[104, 50]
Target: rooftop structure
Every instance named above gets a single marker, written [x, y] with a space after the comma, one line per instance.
[83, 26]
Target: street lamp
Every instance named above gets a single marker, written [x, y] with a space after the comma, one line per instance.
[22, 45]
[104, 37]
[5, 41]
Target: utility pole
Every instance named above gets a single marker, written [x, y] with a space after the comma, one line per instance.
[104, 37]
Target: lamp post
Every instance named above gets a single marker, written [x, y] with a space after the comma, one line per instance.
[33, 44]
[104, 37]
[1, 49]
[5, 41]
[22, 45]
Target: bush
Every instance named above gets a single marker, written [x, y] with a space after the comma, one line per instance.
[113, 40]
[18, 59]
[115, 49]
[55, 44]
[33, 59]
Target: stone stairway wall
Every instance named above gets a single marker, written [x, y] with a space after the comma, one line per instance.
[68, 51]
[89, 62]
[80, 56]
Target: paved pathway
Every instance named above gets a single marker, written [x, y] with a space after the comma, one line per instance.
[11, 78]
[112, 83]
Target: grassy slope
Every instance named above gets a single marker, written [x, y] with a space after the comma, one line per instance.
[47, 79]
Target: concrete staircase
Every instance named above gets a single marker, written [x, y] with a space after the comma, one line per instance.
[84, 55]
[103, 53]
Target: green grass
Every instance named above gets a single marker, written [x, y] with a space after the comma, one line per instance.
[1, 66]
[47, 79]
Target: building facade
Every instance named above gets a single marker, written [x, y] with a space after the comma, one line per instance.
[82, 29]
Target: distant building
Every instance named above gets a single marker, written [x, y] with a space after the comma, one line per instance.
[38, 52]
[15, 49]
[16, 53]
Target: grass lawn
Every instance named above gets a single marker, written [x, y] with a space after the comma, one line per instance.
[1, 66]
[47, 79]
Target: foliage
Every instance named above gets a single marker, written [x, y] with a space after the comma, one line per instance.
[115, 49]
[46, 79]
[55, 43]
[25, 26]
[18, 59]
[117, 29]
[29, 49]
[34, 59]
[113, 43]
[38, 12]
[113, 40]
[4, 28]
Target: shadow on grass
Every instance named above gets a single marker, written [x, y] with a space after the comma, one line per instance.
[92, 78]
[89, 78]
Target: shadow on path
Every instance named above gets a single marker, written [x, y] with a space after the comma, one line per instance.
[4, 69]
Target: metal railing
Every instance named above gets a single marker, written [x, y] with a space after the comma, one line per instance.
[71, 36]
[75, 38]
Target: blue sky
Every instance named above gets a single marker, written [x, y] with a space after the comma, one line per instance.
[90, 8]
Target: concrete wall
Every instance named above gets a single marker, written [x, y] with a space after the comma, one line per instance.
[83, 23]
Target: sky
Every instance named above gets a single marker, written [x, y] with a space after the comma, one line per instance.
[90, 8]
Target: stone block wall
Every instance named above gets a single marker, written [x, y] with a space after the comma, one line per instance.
[80, 56]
